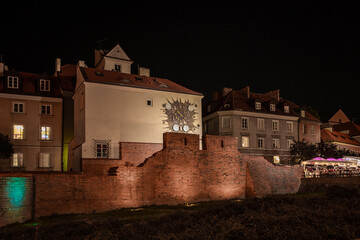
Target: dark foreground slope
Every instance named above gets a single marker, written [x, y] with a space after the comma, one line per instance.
[331, 215]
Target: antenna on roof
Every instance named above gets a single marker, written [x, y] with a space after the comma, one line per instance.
[100, 41]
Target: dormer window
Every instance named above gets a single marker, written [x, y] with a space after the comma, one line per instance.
[302, 113]
[13, 82]
[258, 105]
[45, 85]
[286, 109]
[272, 107]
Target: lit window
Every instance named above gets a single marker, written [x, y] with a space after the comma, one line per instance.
[18, 107]
[312, 129]
[286, 109]
[17, 160]
[18, 131]
[244, 123]
[44, 85]
[258, 105]
[289, 127]
[45, 133]
[245, 141]
[225, 122]
[275, 125]
[44, 161]
[45, 109]
[260, 124]
[276, 159]
[260, 142]
[272, 107]
[13, 82]
[276, 143]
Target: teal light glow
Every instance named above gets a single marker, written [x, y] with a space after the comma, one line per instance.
[16, 189]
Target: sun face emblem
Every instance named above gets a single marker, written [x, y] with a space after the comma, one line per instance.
[180, 115]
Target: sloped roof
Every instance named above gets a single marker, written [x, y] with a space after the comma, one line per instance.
[354, 129]
[67, 77]
[133, 80]
[334, 136]
[238, 100]
[29, 84]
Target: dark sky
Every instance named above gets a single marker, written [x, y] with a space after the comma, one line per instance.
[307, 49]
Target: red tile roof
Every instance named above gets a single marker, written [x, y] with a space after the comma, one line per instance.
[334, 136]
[67, 77]
[238, 100]
[133, 80]
[354, 129]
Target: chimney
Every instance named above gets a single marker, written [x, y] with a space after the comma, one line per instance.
[274, 94]
[98, 56]
[2, 67]
[81, 63]
[215, 96]
[58, 65]
[144, 71]
[225, 91]
[247, 91]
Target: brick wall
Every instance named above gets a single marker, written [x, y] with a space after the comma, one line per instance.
[135, 153]
[16, 193]
[269, 179]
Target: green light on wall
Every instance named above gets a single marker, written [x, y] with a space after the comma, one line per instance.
[65, 156]
[16, 191]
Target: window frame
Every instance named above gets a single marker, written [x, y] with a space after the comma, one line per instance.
[41, 158]
[272, 107]
[289, 142]
[22, 132]
[117, 67]
[247, 141]
[47, 133]
[12, 80]
[147, 102]
[245, 123]
[277, 125]
[21, 160]
[312, 130]
[291, 124]
[260, 142]
[258, 105]
[275, 143]
[223, 118]
[260, 123]
[46, 110]
[286, 109]
[18, 103]
[43, 86]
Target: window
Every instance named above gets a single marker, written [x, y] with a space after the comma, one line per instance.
[258, 105]
[272, 107]
[260, 142]
[245, 141]
[117, 68]
[302, 113]
[18, 131]
[149, 102]
[286, 109]
[260, 124]
[44, 85]
[275, 125]
[289, 143]
[44, 161]
[312, 130]
[244, 123]
[13, 82]
[304, 129]
[276, 143]
[45, 132]
[289, 127]
[18, 107]
[17, 160]
[102, 148]
[225, 122]
[45, 109]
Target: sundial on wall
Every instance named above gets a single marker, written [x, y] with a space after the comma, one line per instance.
[180, 115]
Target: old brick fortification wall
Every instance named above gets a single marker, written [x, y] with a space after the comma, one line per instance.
[16, 198]
[268, 179]
[321, 184]
[179, 173]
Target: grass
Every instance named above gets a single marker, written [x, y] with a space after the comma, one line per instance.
[331, 215]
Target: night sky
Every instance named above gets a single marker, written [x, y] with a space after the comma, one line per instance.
[307, 49]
